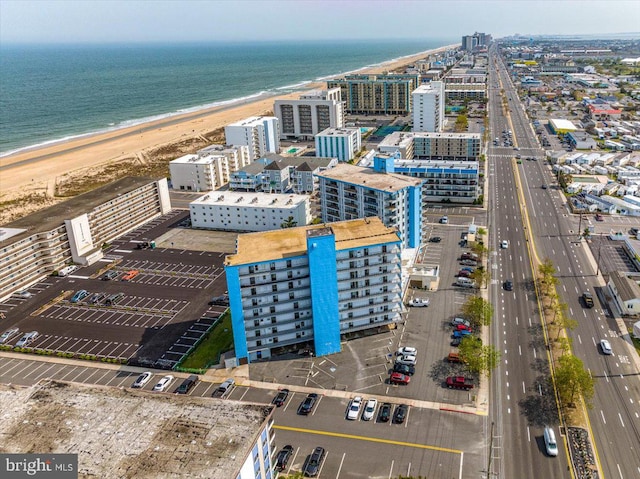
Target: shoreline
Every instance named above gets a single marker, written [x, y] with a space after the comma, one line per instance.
[36, 168]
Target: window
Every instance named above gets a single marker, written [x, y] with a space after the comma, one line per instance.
[257, 333]
[274, 288]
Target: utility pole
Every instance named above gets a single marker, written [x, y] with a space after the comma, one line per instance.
[599, 250]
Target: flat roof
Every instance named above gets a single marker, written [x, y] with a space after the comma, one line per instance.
[251, 121]
[446, 135]
[256, 200]
[369, 178]
[401, 139]
[54, 216]
[120, 432]
[562, 124]
[338, 131]
[289, 242]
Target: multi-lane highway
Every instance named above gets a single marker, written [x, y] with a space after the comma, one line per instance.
[522, 402]
[615, 416]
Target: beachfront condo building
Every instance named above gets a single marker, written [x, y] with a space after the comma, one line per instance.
[341, 143]
[428, 107]
[385, 94]
[281, 174]
[348, 192]
[75, 230]
[258, 133]
[313, 112]
[432, 146]
[447, 146]
[443, 180]
[234, 211]
[312, 287]
[208, 169]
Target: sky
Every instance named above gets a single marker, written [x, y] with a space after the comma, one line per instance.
[147, 21]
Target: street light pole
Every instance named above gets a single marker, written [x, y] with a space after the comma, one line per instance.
[599, 251]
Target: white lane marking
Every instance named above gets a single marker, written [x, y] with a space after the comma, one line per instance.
[391, 469]
[579, 339]
[519, 350]
[528, 434]
[534, 354]
[340, 468]
[621, 421]
[524, 389]
[603, 419]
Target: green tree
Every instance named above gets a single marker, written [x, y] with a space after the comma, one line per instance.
[462, 123]
[479, 359]
[290, 222]
[478, 310]
[573, 380]
[559, 309]
[565, 322]
[565, 344]
[479, 249]
[481, 276]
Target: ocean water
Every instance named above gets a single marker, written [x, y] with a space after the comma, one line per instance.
[54, 92]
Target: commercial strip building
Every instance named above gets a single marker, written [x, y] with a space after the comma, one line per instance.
[233, 211]
[625, 292]
[428, 107]
[259, 133]
[124, 432]
[280, 174]
[74, 231]
[209, 168]
[465, 91]
[433, 146]
[312, 113]
[388, 94]
[560, 126]
[312, 286]
[341, 143]
[348, 192]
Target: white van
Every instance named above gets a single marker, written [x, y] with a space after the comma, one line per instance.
[550, 442]
[465, 282]
[67, 270]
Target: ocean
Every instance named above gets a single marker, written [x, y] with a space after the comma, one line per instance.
[50, 93]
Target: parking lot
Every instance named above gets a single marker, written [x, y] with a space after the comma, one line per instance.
[382, 449]
[156, 315]
[365, 363]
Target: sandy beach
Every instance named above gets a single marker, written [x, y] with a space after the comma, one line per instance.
[37, 171]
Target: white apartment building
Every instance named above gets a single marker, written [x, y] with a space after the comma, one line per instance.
[209, 168]
[341, 143]
[398, 141]
[310, 114]
[312, 287]
[348, 192]
[252, 211]
[428, 107]
[74, 231]
[259, 133]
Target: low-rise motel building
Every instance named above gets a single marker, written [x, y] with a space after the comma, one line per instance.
[75, 230]
[310, 287]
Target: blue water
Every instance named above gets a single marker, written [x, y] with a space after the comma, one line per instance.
[50, 93]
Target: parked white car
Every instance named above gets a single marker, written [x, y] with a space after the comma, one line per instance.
[504, 244]
[409, 359]
[8, 334]
[457, 321]
[27, 338]
[419, 302]
[369, 410]
[406, 350]
[164, 383]
[143, 379]
[354, 408]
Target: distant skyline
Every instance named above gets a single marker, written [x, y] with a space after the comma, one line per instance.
[142, 21]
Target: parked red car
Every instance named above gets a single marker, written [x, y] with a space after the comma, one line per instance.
[399, 378]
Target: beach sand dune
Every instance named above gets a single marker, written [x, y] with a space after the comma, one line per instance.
[32, 174]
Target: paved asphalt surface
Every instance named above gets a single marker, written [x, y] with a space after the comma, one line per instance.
[614, 418]
[521, 402]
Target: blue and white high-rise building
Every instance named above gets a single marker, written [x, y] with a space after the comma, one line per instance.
[348, 192]
[341, 143]
[309, 287]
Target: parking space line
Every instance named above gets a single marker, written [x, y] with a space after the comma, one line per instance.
[366, 438]
[51, 366]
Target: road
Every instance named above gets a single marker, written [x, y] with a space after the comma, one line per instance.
[615, 416]
[522, 402]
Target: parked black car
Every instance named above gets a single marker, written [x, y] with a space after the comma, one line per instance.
[407, 369]
[281, 397]
[187, 385]
[222, 300]
[307, 405]
[385, 412]
[400, 413]
[314, 463]
[283, 457]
